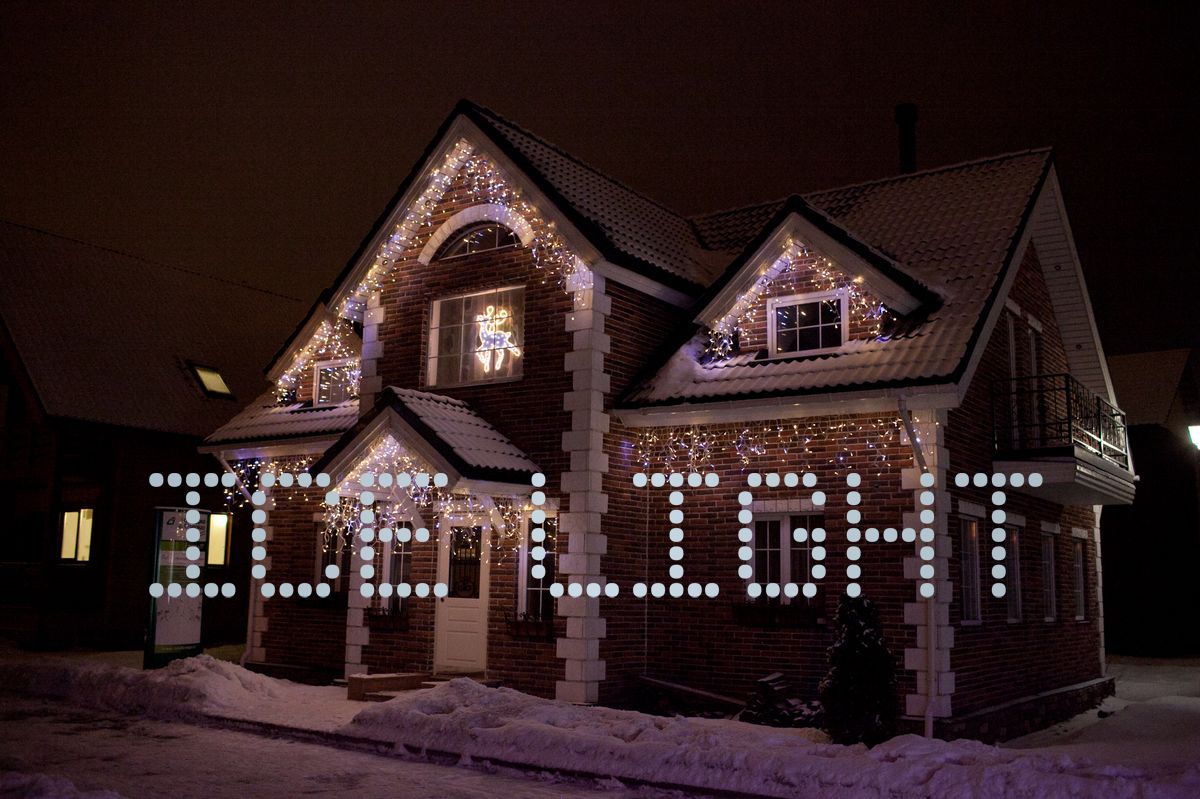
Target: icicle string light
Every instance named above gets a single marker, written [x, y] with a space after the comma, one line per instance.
[795, 258]
[795, 444]
[250, 471]
[484, 183]
[332, 341]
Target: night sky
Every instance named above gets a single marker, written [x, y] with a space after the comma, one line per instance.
[261, 143]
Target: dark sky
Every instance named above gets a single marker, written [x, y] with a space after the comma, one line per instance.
[260, 141]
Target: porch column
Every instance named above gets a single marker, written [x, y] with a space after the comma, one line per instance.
[583, 483]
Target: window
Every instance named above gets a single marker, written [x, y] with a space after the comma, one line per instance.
[806, 323]
[397, 569]
[970, 570]
[211, 381]
[535, 601]
[335, 381]
[218, 540]
[77, 535]
[1080, 581]
[482, 237]
[477, 337]
[465, 556]
[782, 550]
[1012, 569]
[333, 560]
[1049, 600]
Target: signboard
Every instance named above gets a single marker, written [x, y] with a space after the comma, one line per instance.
[175, 619]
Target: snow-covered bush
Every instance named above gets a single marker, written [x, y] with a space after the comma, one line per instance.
[858, 693]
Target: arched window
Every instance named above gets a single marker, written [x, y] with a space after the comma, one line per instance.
[477, 238]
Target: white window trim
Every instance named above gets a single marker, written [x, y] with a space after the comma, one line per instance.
[432, 354]
[1011, 574]
[785, 553]
[523, 560]
[1051, 591]
[794, 299]
[977, 602]
[1079, 577]
[317, 367]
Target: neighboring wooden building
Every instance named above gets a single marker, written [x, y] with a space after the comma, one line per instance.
[1152, 547]
[514, 313]
[101, 361]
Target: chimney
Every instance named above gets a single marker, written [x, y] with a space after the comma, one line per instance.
[906, 124]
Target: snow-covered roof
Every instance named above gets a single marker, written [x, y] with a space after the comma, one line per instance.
[107, 337]
[632, 225]
[952, 229]
[266, 420]
[446, 427]
[469, 435]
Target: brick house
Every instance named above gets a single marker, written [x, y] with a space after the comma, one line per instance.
[113, 368]
[738, 416]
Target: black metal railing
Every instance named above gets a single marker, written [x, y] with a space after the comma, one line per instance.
[1056, 411]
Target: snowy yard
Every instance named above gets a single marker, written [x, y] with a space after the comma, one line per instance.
[1147, 748]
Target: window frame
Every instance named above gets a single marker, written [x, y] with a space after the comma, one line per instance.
[195, 368]
[787, 526]
[1079, 566]
[525, 563]
[1049, 578]
[395, 605]
[344, 562]
[316, 385]
[431, 342]
[1013, 605]
[976, 597]
[62, 533]
[459, 235]
[798, 299]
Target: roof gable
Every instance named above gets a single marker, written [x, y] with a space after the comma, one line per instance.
[443, 432]
[955, 230]
[799, 225]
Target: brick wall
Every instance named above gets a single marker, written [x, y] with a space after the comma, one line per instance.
[701, 642]
[995, 660]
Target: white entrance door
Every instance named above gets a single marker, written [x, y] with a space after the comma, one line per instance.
[460, 631]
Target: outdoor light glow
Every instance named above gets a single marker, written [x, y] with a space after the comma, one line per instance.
[218, 536]
[1194, 432]
[493, 339]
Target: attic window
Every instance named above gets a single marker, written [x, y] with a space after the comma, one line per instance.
[211, 381]
[806, 323]
[335, 381]
[482, 237]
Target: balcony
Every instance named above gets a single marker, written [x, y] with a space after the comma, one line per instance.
[1055, 426]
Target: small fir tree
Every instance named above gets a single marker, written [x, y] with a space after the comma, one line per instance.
[858, 693]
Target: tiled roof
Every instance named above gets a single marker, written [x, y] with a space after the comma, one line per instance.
[951, 229]
[634, 226]
[106, 337]
[467, 434]
[266, 420]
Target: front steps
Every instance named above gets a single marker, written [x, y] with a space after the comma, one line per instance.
[382, 687]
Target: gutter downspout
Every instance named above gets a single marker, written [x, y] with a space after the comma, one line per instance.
[930, 626]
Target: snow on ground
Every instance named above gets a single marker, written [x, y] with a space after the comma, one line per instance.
[1145, 749]
[465, 717]
[191, 688]
[15, 785]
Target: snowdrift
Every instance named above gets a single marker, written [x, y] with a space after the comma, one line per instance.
[466, 718]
